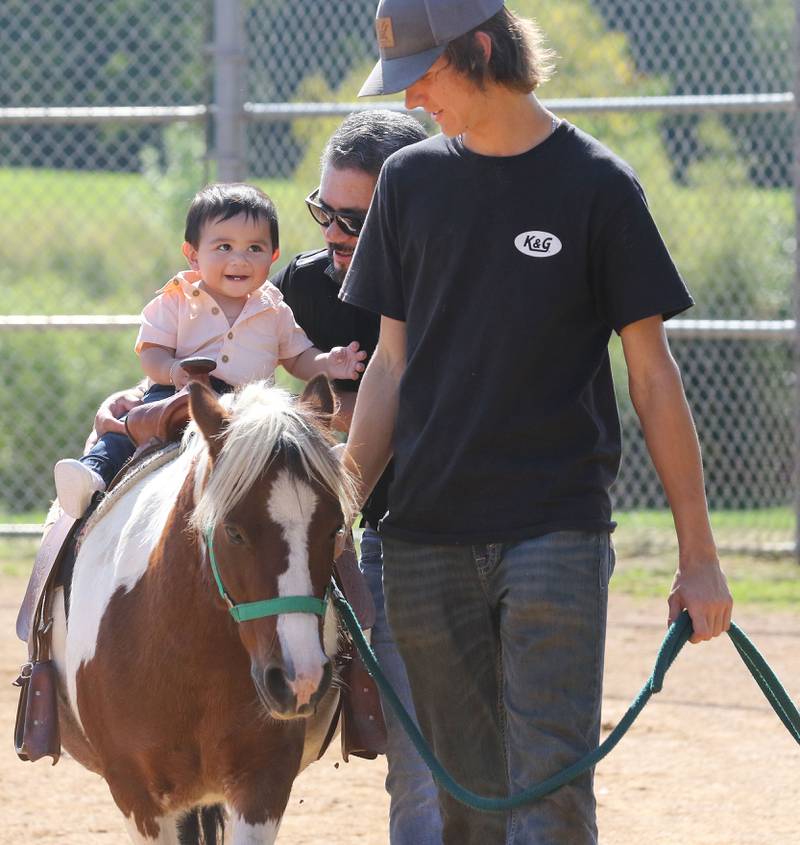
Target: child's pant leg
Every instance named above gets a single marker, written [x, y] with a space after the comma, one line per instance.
[108, 455]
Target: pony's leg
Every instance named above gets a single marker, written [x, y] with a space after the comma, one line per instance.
[167, 831]
[253, 834]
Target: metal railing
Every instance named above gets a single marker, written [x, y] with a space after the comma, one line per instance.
[719, 330]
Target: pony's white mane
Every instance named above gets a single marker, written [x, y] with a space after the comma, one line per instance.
[263, 418]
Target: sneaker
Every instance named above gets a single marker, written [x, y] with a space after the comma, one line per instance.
[75, 485]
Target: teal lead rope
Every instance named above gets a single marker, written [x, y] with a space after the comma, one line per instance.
[677, 636]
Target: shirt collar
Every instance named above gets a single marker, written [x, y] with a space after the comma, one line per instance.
[330, 272]
[187, 282]
[184, 282]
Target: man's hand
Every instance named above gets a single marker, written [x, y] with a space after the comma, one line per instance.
[346, 362]
[107, 418]
[701, 588]
[657, 394]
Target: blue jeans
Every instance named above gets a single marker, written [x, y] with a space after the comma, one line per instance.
[504, 647]
[414, 817]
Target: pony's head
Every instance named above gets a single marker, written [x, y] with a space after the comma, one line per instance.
[272, 501]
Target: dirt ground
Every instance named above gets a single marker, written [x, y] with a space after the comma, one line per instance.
[707, 763]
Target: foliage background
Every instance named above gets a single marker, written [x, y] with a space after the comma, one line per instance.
[91, 217]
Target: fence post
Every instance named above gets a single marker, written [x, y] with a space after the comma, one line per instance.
[229, 91]
[796, 298]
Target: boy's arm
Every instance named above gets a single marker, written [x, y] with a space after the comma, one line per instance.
[342, 362]
[369, 444]
[157, 338]
[657, 394]
[161, 366]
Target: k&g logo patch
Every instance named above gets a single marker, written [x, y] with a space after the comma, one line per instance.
[537, 244]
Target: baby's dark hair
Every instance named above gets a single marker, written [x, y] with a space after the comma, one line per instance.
[224, 200]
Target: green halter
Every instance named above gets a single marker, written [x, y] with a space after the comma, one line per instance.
[265, 607]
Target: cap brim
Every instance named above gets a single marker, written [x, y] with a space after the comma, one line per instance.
[392, 75]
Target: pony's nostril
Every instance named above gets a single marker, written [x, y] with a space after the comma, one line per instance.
[277, 684]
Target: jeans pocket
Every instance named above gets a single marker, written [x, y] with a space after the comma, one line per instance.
[607, 561]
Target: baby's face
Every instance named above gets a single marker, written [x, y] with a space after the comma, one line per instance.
[234, 256]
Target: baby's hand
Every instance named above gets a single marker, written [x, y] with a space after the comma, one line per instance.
[178, 376]
[346, 362]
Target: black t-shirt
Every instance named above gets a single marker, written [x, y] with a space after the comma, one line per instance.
[310, 289]
[510, 274]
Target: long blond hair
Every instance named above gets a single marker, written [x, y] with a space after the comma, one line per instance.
[264, 422]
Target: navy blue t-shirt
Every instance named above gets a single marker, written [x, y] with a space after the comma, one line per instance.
[510, 274]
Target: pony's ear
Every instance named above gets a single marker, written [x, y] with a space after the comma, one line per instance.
[320, 399]
[210, 416]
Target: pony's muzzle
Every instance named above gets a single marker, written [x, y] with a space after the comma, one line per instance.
[289, 695]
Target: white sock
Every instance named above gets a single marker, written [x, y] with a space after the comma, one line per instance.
[76, 483]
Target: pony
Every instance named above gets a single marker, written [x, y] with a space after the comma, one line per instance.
[195, 662]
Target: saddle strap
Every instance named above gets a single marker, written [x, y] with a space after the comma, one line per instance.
[44, 570]
[353, 585]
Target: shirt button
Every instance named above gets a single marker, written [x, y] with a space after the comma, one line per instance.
[175, 282]
[195, 293]
[215, 310]
[225, 359]
[230, 335]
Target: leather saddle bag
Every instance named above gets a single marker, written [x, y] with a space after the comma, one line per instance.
[36, 731]
[363, 725]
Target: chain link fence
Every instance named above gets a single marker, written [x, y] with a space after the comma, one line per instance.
[112, 115]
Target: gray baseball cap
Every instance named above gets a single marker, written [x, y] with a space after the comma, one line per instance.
[412, 34]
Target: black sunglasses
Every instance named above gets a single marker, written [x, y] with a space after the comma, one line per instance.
[350, 222]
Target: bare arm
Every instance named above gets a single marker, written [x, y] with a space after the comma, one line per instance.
[657, 394]
[369, 445]
[342, 362]
[161, 365]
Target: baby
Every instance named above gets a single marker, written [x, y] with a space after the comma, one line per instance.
[223, 308]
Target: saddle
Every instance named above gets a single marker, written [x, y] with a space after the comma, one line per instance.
[36, 729]
[157, 423]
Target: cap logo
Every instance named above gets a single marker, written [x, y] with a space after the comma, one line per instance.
[383, 27]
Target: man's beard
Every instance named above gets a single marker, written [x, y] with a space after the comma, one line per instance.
[338, 272]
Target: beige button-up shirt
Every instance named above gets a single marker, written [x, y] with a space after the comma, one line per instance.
[184, 318]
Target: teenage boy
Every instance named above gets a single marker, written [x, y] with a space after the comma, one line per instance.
[500, 256]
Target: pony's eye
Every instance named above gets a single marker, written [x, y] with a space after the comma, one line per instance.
[234, 535]
[339, 532]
